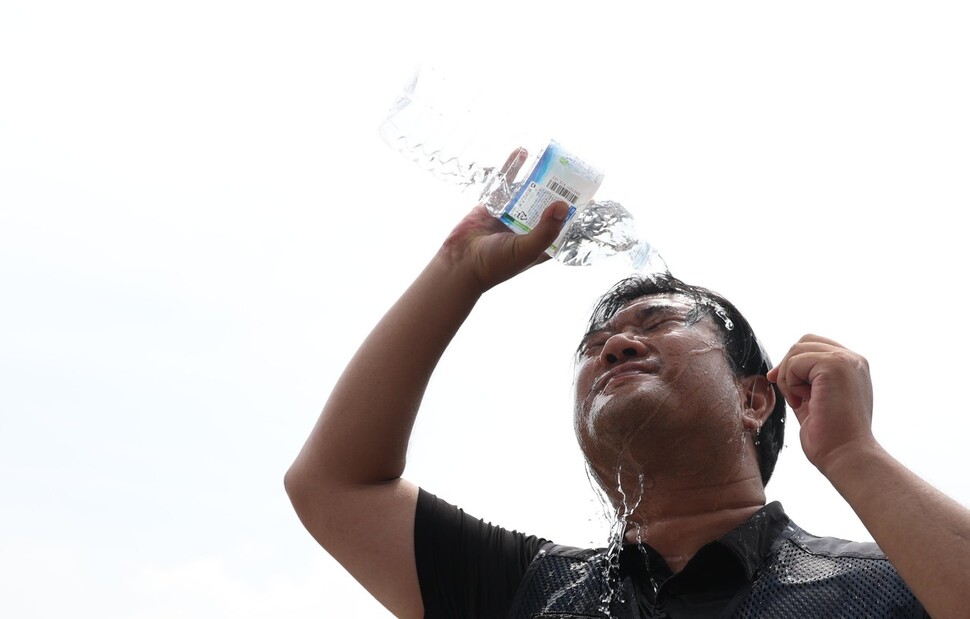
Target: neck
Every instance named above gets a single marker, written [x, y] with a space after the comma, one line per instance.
[677, 514]
[677, 527]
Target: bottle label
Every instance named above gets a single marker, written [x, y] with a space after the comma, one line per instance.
[557, 175]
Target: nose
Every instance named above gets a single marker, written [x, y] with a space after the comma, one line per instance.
[622, 346]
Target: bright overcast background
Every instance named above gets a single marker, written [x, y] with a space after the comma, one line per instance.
[199, 224]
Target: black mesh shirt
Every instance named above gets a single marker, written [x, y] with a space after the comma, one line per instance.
[767, 567]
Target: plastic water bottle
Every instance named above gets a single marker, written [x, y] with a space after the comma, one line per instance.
[461, 133]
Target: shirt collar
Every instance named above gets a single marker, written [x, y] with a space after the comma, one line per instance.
[747, 546]
[753, 540]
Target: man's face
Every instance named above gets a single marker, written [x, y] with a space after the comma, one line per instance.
[652, 378]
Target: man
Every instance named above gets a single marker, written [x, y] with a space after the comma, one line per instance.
[673, 426]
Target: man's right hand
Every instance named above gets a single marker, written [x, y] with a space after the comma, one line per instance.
[492, 253]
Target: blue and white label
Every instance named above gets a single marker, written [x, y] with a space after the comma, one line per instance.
[557, 175]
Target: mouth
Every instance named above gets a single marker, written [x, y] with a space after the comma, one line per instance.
[624, 372]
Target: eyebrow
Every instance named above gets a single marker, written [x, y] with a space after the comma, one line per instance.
[645, 313]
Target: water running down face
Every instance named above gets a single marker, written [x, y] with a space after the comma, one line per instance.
[656, 392]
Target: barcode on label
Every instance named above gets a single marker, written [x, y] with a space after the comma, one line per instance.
[563, 191]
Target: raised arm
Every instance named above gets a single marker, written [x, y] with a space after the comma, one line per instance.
[346, 482]
[924, 533]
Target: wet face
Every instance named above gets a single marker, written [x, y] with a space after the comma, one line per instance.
[654, 378]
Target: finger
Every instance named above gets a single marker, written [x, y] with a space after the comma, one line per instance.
[794, 375]
[797, 370]
[812, 338]
[795, 397]
[533, 245]
[775, 376]
[811, 344]
[801, 412]
[807, 344]
[510, 169]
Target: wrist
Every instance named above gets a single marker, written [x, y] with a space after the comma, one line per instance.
[853, 462]
[452, 274]
[479, 264]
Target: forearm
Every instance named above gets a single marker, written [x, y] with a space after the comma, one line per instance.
[363, 431]
[925, 534]
[346, 483]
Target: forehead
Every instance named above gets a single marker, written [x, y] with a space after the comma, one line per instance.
[674, 303]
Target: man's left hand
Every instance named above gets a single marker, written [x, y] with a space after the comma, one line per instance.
[829, 388]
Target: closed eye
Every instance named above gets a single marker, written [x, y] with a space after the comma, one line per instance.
[593, 344]
[664, 322]
[642, 320]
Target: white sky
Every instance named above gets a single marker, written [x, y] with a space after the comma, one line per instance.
[198, 225]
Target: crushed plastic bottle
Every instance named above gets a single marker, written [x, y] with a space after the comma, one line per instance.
[451, 128]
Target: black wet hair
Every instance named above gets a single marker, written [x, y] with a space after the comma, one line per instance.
[744, 352]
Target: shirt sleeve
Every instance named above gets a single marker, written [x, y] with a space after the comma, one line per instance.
[467, 567]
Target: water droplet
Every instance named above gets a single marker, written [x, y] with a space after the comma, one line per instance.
[728, 323]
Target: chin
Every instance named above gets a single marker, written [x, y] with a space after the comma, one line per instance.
[617, 419]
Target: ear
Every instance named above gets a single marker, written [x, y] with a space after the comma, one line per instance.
[757, 402]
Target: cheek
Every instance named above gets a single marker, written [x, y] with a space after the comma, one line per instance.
[705, 354]
[702, 371]
[717, 388]
[589, 422]
[583, 402]
[582, 379]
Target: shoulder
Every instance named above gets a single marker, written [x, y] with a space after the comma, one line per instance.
[828, 576]
[834, 547]
[562, 581]
[786, 532]
[467, 567]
